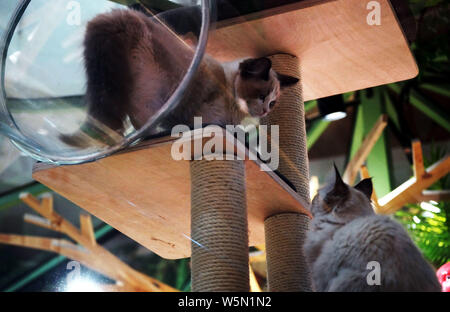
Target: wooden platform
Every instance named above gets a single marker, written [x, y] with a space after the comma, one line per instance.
[145, 194]
[339, 52]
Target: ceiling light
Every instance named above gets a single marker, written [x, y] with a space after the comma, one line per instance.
[335, 116]
[332, 108]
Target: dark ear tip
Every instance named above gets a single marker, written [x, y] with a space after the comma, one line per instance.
[336, 170]
[365, 186]
[338, 178]
[256, 68]
[335, 167]
[286, 81]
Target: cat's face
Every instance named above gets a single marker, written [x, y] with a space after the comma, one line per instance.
[258, 86]
[341, 200]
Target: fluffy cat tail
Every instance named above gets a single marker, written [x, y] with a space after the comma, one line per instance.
[109, 43]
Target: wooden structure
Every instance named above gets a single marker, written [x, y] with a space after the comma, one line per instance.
[152, 206]
[147, 195]
[365, 175]
[371, 55]
[86, 251]
[414, 190]
[337, 48]
[287, 269]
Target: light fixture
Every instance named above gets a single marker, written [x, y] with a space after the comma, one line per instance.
[335, 116]
[332, 108]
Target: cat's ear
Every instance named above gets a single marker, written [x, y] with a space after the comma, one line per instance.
[256, 68]
[286, 81]
[366, 187]
[339, 186]
[336, 188]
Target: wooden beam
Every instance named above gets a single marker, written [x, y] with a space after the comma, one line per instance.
[411, 190]
[87, 229]
[33, 202]
[88, 252]
[47, 204]
[35, 242]
[437, 196]
[254, 286]
[360, 156]
[93, 260]
[12, 199]
[419, 170]
[58, 223]
[364, 172]
[40, 221]
[60, 246]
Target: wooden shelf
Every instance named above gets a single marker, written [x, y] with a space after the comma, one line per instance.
[145, 194]
[338, 50]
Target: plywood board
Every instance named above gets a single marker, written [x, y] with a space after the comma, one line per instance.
[338, 50]
[145, 194]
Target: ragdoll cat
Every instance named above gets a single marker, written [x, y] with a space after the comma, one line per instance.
[346, 235]
[133, 64]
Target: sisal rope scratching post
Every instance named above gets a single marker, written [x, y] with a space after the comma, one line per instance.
[219, 227]
[287, 269]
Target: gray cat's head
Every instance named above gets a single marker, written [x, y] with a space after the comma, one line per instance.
[342, 201]
[258, 86]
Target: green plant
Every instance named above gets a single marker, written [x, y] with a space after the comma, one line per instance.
[429, 223]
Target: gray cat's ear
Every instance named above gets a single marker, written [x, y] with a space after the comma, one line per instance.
[366, 187]
[256, 68]
[336, 189]
[286, 81]
[339, 186]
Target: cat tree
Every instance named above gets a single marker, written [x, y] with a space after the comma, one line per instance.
[285, 232]
[144, 193]
[218, 210]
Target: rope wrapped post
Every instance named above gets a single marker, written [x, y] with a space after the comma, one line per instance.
[219, 226]
[287, 269]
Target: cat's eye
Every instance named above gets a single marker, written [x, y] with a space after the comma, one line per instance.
[262, 97]
[272, 104]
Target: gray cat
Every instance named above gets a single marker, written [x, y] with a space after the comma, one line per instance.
[346, 236]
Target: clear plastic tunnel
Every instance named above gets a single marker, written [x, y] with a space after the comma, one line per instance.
[43, 79]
